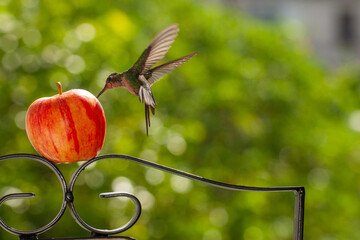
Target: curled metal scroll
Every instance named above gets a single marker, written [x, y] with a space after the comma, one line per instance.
[86, 226]
[69, 199]
[31, 195]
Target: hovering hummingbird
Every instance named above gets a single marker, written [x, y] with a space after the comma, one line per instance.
[140, 77]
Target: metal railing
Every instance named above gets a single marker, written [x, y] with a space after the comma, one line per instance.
[68, 199]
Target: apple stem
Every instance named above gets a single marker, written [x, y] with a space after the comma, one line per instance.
[59, 87]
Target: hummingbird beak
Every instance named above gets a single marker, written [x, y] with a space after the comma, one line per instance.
[102, 91]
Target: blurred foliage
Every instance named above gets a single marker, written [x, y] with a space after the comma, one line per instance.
[252, 108]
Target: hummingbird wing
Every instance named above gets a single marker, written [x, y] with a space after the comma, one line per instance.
[157, 49]
[159, 71]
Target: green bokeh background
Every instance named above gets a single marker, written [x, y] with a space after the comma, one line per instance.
[254, 107]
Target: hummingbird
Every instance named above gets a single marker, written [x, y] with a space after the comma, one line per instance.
[141, 76]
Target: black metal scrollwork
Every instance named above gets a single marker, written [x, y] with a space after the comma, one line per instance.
[31, 195]
[68, 198]
[77, 218]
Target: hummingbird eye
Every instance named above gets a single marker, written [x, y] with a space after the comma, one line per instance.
[111, 77]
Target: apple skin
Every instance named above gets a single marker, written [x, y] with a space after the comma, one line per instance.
[67, 127]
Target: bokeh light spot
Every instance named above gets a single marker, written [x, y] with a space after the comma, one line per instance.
[212, 234]
[31, 63]
[32, 37]
[319, 178]
[154, 177]
[94, 179]
[253, 233]
[149, 154]
[176, 145]
[354, 121]
[85, 32]
[71, 40]
[122, 184]
[19, 95]
[30, 3]
[180, 184]
[219, 217]
[12, 203]
[120, 24]
[12, 60]
[283, 227]
[146, 198]
[75, 64]
[20, 119]
[8, 42]
[49, 53]
[7, 22]
[4, 2]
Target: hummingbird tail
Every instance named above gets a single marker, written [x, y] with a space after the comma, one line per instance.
[147, 119]
[152, 110]
[145, 95]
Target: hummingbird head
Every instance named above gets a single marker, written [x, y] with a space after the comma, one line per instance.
[112, 81]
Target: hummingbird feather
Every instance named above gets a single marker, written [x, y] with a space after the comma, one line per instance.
[152, 110]
[145, 93]
[156, 73]
[157, 49]
[147, 119]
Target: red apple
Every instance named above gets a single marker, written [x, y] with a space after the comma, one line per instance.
[67, 127]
